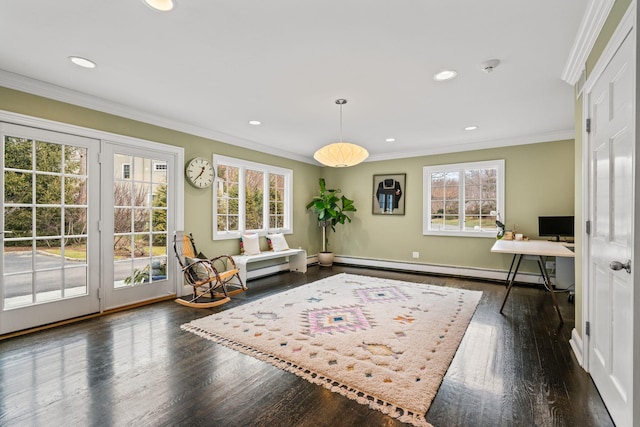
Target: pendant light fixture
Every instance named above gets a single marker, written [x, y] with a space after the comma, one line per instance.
[161, 5]
[341, 154]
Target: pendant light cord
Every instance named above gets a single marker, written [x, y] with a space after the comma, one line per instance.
[341, 123]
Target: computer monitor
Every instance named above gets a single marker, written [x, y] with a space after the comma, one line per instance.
[556, 226]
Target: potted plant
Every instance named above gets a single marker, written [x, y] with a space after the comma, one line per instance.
[330, 209]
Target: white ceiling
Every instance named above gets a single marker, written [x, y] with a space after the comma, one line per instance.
[210, 66]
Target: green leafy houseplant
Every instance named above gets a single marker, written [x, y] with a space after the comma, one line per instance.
[330, 209]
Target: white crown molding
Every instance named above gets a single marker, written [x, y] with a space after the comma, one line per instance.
[479, 145]
[625, 26]
[590, 27]
[58, 93]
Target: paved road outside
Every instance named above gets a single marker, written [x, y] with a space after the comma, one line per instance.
[74, 275]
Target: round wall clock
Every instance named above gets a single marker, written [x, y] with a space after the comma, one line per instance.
[199, 172]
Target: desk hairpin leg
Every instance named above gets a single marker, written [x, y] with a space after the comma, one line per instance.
[512, 279]
[517, 258]
[549, 286]
[506, 283]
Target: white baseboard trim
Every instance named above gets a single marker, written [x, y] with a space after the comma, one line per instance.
[472, 272]
[479, 273]
[576, 346]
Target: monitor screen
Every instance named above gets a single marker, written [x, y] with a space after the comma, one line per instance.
[557, 226]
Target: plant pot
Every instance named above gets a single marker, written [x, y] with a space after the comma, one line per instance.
[325, 259]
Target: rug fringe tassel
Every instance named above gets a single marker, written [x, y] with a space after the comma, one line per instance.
[401, 414]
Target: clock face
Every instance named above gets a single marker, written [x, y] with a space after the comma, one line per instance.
[200, 172]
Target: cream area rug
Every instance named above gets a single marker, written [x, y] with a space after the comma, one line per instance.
[383, 343]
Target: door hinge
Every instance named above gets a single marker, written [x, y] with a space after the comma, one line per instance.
[99, 293]
[587, 329]
[588, 126]
[100, 157]
[588, 227]
[99, 225]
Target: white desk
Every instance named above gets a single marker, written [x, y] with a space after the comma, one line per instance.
[536, 248]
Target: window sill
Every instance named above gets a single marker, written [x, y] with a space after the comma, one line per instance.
[485, 234]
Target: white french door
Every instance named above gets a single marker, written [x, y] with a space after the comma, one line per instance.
[611, 160]
[49, 267]
[138, 220]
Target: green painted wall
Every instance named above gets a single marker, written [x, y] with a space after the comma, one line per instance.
[539, 181]
[615, 16]
[198, 203]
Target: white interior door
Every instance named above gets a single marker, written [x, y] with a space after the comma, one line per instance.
[138, 220]
[49, 224]
[611, 172]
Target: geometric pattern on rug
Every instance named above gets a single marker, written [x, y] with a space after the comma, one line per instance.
[384, 343]
[336, 320]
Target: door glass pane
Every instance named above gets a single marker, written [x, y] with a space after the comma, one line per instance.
[48, 189]
[17, 153]
[18, 220]
[75, 191]
[140, 221]
[75, 160]
[18, 290]
[48, 285]
[52, 264]
[48, 221]
[17, 187]
[75, 222]
[48, 157]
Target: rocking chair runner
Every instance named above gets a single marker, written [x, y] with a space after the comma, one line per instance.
[209, 277]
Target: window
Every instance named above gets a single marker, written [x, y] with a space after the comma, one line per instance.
[463, 199]
[251, 197]
[159, 166]
[126, 171]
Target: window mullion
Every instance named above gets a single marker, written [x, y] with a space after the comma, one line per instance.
[242, 199]
[461, 198]
[266, 196]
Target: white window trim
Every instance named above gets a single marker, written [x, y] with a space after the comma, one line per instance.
[261, 167]
[426, 179]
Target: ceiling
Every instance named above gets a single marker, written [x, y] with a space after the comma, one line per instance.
[209, 67]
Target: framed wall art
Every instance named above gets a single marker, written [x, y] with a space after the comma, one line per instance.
[389, 194]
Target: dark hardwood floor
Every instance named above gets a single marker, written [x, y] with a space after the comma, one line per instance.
[138, 368]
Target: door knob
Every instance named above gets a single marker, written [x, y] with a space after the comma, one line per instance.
[617, 265]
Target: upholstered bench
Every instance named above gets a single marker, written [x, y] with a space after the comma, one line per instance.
[297, 260]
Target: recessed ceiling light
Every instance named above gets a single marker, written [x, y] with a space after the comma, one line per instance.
[161, 5]
[255, 122]
[445, 75]
[390, 140]
[471, 128]
[82, 62]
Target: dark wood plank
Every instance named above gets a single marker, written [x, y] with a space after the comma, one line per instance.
[138, 368]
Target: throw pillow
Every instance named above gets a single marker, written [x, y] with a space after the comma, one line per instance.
[198, 270]
[278, 242]
[251, 244]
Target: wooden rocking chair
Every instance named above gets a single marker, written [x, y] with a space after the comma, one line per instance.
[209, 277]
